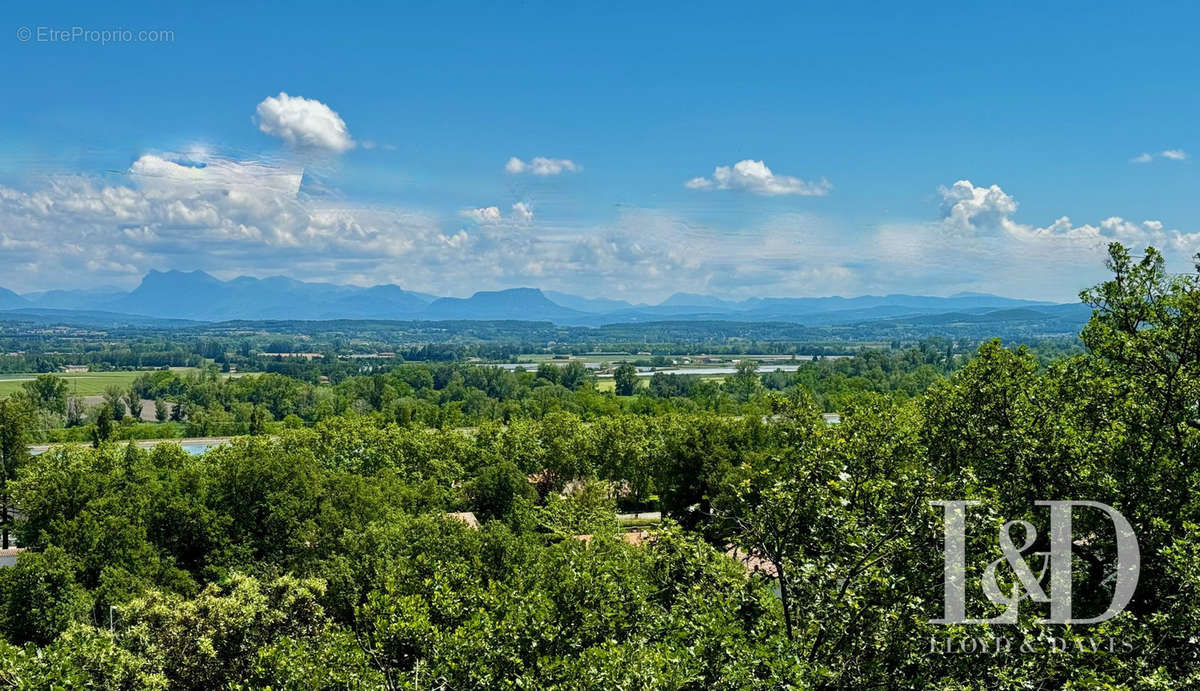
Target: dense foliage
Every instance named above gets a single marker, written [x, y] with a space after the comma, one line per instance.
[207, 402]
[793, 553]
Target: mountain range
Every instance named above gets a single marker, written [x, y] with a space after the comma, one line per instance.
[198, 296]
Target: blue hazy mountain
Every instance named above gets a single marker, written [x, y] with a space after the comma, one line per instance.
[10, 300]
[89, 299]
[590, 305]
[528, 304]
[198, 296]
[695, 300]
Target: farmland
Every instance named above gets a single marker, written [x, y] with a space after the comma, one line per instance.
[80, 383]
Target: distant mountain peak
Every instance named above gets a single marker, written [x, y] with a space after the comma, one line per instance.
[511, 291]
[197, 295]
[511, 303]
[10, 300]
[175, 275]
[197, 273]
[590, 305]
[694, 300]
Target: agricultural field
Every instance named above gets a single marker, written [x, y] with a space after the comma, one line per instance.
[607, 384]
[80, 383]
[599, 358]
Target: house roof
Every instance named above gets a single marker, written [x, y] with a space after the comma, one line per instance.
[752, 563]
[467, 517]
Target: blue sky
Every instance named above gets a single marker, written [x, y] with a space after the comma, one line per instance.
[867, 118]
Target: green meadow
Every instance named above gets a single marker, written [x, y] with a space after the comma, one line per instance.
[80, 383]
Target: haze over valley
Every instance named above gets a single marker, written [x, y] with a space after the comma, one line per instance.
[199, 296]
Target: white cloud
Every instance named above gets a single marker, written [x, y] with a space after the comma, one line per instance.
[515, 165]
[490, 215]
[982, 210]
[456, 240]
[521, 212]
[980, 243]
[484, 214]
[304, 123]
[235, 217]
[755, 177]
[1169, 154]
[964, 205]
[540, 165]
[167, 174]
[180, 212]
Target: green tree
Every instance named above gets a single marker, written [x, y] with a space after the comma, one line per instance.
[114, 401]
[273, 497]
[48, 392]
[574, 375]
[161, 410]
[16, 417]
[75, 412]
[550, 372]
[258, 420]
[133, 399]
[81, 657]
[497, 491]
[625, 379]
[214, 640]
[744, 382]
[103, 429]
[39, 597]
[588, 509]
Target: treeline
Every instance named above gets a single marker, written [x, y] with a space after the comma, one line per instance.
[207, 402]
[100, 360]
[251, 346]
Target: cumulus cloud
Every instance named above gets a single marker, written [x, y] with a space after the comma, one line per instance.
[490, 215]
[1169, 154]
[485, 214]
[456, 240]
[521, 212]
[976, 243]
[964, 205]
[303, 123]
[968, 207]
[178, 212]
[234, 217]
[231, 217]
[755, 177]
[540, 165]
[979, 245]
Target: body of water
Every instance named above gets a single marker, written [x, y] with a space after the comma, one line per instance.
[193, 447]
